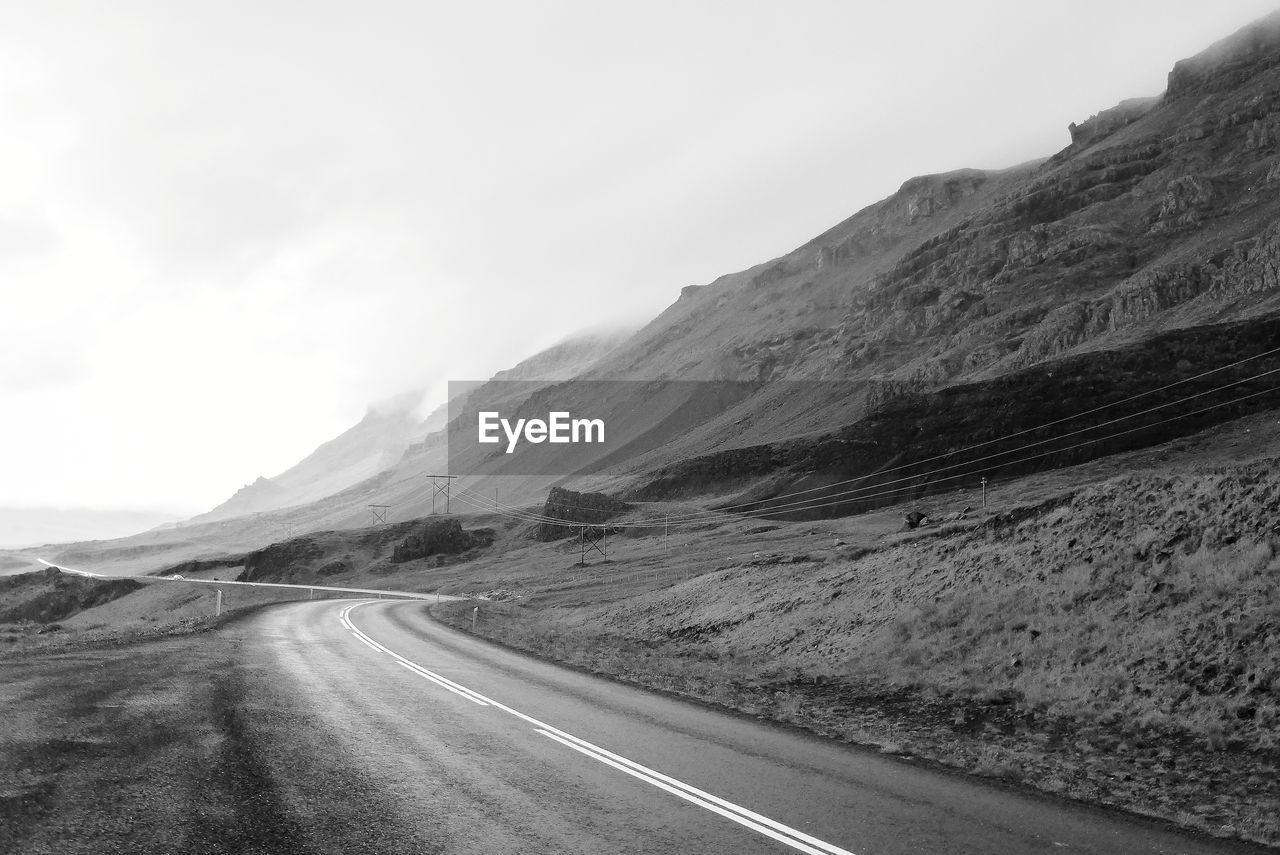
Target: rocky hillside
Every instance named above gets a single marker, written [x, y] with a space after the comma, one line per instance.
[1161, 213]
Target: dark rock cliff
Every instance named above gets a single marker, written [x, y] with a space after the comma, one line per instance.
[582, 508]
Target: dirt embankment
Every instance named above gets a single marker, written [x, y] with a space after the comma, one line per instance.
[1120, 644]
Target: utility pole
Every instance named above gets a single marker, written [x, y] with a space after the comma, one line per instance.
[582, 544]
[438, 489]
[379, 514]
[984, 492]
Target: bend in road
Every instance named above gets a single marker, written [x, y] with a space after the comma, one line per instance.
[476, 748]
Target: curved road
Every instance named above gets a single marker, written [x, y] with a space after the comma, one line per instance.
[398, 734]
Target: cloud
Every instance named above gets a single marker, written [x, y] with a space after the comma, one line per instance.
[24, 236]
[41, 365]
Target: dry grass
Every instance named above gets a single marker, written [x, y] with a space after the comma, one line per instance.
[1133, 626]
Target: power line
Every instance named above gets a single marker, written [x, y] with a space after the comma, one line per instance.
[849, 495]
[1022, 432]
[1001, 439]
[1006, 452]
[819, 502]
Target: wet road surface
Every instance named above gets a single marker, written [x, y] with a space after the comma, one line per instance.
[411, 736]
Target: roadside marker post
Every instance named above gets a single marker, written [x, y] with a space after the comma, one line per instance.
[217, 609]
[475, 613]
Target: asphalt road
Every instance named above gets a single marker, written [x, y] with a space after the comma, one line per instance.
[420, 738]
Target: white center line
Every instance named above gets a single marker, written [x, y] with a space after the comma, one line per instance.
[792, 837]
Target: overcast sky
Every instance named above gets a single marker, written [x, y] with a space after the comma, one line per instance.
[227, 227]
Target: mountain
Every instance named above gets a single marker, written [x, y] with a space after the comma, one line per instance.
[567, 359]
[966, 306]
[1161, 213]
[1158, 224]
[392, 430]
[363, 450]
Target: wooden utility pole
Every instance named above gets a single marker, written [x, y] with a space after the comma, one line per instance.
[984, 492]
[379, 514]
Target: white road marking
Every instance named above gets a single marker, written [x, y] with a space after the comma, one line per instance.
[367, 644]
[792, 837]
[426, 676]
[740, 818]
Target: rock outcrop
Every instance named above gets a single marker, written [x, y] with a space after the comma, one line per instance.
[440, 537]
[1107, 122]
[576, 509]
[1228, 63]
